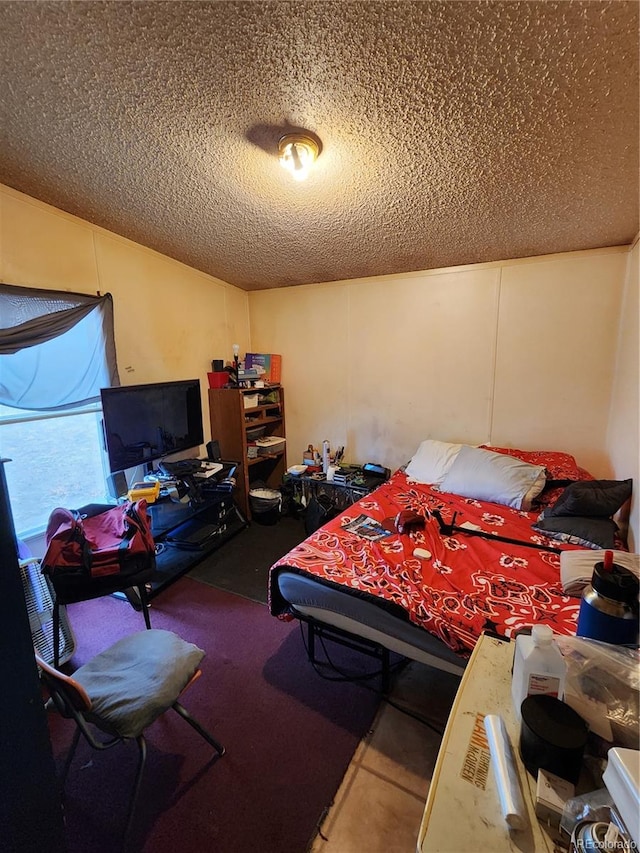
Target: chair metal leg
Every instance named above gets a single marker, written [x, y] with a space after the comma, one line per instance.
[144, 599]
[69, 758]
[200, 729]
[142, 747]
[56, 633]
[138, 598]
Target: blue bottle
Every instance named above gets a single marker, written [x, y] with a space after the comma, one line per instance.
[609, 606]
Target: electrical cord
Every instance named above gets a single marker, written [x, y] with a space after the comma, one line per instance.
[361, 679]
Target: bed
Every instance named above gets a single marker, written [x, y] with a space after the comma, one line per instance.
[486, 559]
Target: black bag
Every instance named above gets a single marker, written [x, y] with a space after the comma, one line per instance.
[320, 509]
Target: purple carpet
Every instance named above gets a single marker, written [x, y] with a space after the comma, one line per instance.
[289, 734]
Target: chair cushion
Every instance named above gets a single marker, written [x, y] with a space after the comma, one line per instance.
[138, 678]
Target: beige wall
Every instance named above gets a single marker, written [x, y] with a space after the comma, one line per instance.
[520, 353]
[540, 352]
[624, 423]
[170, 320]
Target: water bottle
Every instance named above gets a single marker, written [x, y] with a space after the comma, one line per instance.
[609, 606]
[538, 667]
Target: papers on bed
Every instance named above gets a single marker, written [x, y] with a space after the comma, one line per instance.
[576, 567]
[366, 527]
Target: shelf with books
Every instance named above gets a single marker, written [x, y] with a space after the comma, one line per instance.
[237, 427]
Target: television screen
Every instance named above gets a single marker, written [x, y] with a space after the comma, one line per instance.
[147, 422]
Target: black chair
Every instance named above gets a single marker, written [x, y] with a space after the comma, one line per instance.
[64, 593]
[69, 589]
[122, 690]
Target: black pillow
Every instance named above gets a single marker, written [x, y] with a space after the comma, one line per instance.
[593, 498]
[576, 530]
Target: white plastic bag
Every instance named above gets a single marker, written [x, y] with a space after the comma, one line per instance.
[603, 686]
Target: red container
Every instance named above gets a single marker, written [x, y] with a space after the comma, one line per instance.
[218, 380]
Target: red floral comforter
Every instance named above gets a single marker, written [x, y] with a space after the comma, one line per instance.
[468, 585]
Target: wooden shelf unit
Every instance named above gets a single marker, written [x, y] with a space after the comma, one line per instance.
[232, 424]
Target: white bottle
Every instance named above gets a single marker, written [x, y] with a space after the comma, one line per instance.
[538, 667]
[325, 456]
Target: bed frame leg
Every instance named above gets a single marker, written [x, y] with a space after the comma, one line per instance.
[311, 642]
[386, 671]
[369, 648]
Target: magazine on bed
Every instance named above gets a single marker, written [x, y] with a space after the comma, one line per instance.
[367, 527]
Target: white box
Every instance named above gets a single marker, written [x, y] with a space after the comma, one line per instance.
[251, 400]
[552, 793]
[622, 778]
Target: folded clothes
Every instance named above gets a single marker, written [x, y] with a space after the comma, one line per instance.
[576, 567]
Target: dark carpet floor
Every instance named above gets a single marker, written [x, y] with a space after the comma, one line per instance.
[242, 564]
[289, 733]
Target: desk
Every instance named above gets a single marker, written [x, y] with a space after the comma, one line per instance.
[343, 494]
[462, 812]
[172, 524]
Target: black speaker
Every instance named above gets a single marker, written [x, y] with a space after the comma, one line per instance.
[213, 451]
[217, 365]
[117, 484]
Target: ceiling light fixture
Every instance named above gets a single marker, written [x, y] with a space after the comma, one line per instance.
[298, 152]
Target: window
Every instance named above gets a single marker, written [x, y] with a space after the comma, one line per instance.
[56, 353]
[56, 460]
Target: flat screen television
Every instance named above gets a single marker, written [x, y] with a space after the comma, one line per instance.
[147, 422]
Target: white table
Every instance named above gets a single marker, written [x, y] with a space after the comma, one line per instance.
[462, 813]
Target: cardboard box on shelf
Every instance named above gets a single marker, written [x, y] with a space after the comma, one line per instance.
[270, 363]
[251, 401]
[276, 368]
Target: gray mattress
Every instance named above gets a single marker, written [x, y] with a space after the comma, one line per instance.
[364, 618]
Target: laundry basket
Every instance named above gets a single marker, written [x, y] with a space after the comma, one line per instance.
[39, 598]
[265, 504]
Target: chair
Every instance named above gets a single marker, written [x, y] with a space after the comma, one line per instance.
[70, 589]
[66, 593]
[122, 690]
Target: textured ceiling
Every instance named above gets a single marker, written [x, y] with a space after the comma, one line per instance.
[452, 132]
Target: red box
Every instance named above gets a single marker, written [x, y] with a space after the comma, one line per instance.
[218, 380]
[276, 368]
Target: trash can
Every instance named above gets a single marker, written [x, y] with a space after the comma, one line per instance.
[265, 505]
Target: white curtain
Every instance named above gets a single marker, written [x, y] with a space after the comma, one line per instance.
[57, 349]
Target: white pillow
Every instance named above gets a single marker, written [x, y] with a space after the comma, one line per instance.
[487, 476]
[432, 461]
